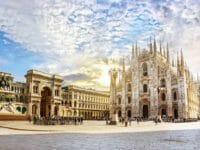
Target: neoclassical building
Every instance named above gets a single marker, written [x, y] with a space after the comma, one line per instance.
[44, 96]
[154, 85]
[12, 98]
[89, 103]
[43, 93]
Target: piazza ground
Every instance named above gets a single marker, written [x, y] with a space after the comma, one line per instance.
[98, 135]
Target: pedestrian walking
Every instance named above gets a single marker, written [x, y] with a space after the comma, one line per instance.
[106, 120]
[137, 120]
[156, 120]
[126, 122]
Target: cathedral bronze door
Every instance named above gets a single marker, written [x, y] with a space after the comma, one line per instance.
[45, 104]
[175, 113]
[163, 113]
[145, 111]
[119, 113]
[129, 113]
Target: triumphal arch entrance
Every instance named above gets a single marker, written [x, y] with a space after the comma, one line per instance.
[44, 93]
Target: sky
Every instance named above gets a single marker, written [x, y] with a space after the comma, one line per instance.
[83, 39]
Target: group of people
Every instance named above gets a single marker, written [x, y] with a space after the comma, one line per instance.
[55, 120]
[127, 121]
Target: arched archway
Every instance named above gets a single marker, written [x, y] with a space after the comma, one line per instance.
[45, 104]
[163, 112]
[175, 113]
[129, 113]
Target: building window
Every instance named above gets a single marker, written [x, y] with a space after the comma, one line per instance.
[163, 83]
[145, 88]
[129, 87]
[35, 89]
[163, 96]
[21, 98]
[75, 104]
[129, 100]
[75, 96]
[175, 96]
[145, 69]
[56, 92]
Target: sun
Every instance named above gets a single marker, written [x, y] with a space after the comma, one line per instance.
[104, 78]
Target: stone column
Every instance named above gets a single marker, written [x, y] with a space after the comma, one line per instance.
[113, 112]
[52, 109]
[38, 109]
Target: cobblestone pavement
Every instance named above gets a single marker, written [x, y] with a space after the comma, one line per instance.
[165, 140]
[24, 127]
[145, 136]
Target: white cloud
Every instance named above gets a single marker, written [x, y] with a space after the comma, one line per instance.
[72, 36]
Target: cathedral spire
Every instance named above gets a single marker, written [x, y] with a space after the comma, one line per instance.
[160, 48]
[178, 62]
[154, 46]
[182, 60]
[136, 49]
[164, 52]
[173, 64]
[123, 65]
[168, 57]
[150, 46]
[133, 51]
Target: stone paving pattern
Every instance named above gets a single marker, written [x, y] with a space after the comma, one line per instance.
[165, 136]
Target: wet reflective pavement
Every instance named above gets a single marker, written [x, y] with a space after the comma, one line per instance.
[165, 140]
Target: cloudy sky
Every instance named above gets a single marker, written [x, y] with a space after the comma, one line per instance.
[82, 39]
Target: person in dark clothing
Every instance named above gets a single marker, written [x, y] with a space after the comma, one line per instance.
[126, 122]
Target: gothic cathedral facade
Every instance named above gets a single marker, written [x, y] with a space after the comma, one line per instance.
[154, 85]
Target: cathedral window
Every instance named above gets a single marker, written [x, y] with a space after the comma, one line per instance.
[145, 88]
[145, 69]
[163, 96]
[175, 96]
[163, 83]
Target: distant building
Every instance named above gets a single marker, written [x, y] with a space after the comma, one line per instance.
[89, 103]
[12, 96]
[44, 96]
[154, 85]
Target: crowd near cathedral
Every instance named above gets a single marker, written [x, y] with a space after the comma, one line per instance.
[154, 84]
